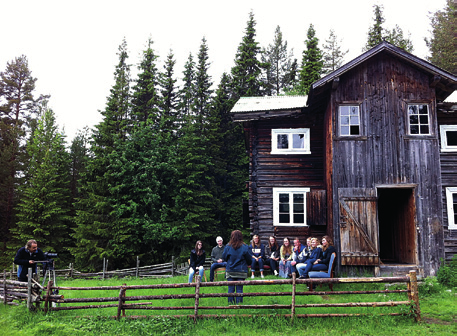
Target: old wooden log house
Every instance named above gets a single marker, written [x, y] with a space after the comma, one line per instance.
[369, 158]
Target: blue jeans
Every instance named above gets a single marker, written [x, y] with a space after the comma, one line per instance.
[312, 267]
[239, 289]
[272, 263]
[192, 271]
[214, 266]
[255, 263]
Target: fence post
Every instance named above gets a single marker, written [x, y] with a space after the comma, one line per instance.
[137, 273]
[294, 289]
[4, 287]
[48, 293]
[71, 270]
[29, 289]
[172, 266]
[415, 295]
[121, 302]
[197, 296]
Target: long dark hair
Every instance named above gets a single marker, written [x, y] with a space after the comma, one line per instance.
[275, 244]
[329, 242]
[236, 239]
[198, 250]
[254, 244]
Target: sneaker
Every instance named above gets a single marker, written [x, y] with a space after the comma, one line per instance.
[276, 272]
[262, 276]
[252, 276]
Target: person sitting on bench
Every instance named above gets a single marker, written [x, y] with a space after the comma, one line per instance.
[216, 257]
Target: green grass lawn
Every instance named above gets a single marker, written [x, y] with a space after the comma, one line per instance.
[438, 308]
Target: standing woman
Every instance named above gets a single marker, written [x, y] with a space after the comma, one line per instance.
[272, 254]
[286, 258]
[237, 256]
[327, 250]
[257, 252]
[197, 260]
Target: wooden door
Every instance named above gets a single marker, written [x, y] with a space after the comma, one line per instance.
[358, 226]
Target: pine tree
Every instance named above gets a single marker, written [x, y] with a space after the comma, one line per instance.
[187, 93]
[18, 108]
[99, 231]
[45, 206]
[443, 43]
[79, 157]
[279, 59]
[312, 62]
[168, 91]
[203, 83]
[246, 74]
[333, 56]
[377, 33]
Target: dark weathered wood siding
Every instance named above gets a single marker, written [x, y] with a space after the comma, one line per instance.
[385, 154]
[448, 179]
[268, 171]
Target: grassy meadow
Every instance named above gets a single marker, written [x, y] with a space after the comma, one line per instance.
[438, 308]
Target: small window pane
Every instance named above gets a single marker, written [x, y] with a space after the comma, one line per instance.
[284, 207]
[298, 140]
[344, 120]
[298, 198]
[414, 129]
[344, 130]
[423, 119]
[284, 218]
[344, 110]
[284, 198]
[355, 130]
[283, 141]
[412, 109]
[298, 208]
[423, 109]
[354, 110]
[454, 199]
[413, 119]
[355, 120]
[451, 138]
[424, 129]
[299, 218]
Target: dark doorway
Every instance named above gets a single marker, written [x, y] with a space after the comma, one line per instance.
[396, 217]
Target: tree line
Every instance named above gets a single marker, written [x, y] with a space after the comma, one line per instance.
[166, 165]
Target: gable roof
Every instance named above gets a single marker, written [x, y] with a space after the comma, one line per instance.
[433, 70]
[253, 108]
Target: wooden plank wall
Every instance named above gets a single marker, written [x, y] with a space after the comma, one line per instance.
[268, 171]
[386, 154]
[448, 162]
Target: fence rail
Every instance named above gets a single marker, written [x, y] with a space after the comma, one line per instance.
[124, 302]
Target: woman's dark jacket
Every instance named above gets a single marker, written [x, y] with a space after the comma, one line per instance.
[195, 260]
[237, 260]
[315, 254]
[326, 255]
[269, 251]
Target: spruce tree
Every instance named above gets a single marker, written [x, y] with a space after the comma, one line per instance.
[100, 232]
[279, 60]
[312, 62]
[44, 211]
[169, 98]
[246, 74]
[203, 82]
[443, 43]
[333, 55]
[187, 93]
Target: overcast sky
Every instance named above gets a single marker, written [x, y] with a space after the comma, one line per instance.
[71, 45]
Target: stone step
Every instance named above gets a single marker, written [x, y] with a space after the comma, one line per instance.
[399, 270]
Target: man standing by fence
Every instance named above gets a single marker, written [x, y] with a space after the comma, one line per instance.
[26, 257]
[216, 258]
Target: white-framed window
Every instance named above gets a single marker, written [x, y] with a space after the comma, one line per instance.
[290, 141]
[349, 120]
[289, 206]
[448, 138]
[418, 119]
[451, 198]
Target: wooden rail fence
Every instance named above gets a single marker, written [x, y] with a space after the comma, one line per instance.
[123, 302]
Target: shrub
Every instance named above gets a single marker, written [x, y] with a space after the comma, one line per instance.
[447, 274]
[430, 286]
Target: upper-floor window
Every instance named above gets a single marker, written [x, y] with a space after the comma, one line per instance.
[418, 119]
[349, 120]
[289, 206]
[448, 138]
[290, 141]
[451, 198]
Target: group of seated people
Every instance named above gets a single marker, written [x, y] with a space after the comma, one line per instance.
[283, 261]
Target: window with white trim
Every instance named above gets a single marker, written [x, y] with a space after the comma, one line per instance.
[418, 119]
[448, 138]
[349, 120]
[451, 198]
[290, 141]
[289, 206]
